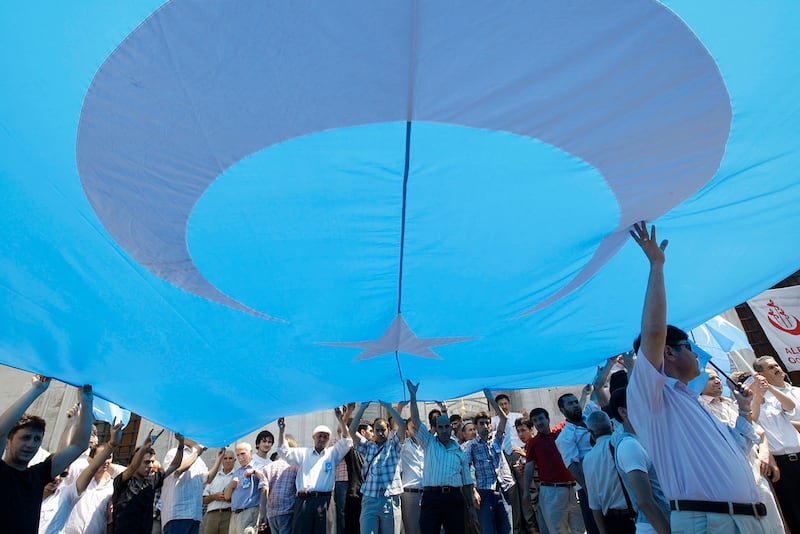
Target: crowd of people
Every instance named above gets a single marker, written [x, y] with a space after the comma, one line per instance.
[637, 451]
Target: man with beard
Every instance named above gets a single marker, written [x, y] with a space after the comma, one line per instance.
[382, 486]
[573, 443]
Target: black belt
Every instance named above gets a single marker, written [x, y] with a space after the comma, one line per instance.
[618, 512]
[240, 510]
[757, 509]
[218, 510]
[412, 490]
[557, 484]
[791, 457]
[442, 489]
[314, 493]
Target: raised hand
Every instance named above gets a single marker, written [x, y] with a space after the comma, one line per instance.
[85, 393]
[412, 388]
[40, 382]
[116, 433]
[648, 242]
[72, 413]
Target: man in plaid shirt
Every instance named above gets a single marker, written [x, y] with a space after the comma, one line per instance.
[485, 453]
[278, 482]
[382, 486]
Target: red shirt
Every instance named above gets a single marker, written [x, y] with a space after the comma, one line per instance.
[542, 449]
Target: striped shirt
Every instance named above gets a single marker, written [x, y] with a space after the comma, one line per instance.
[182, 495]
[381, 469]
[279, 481]
[445, 465]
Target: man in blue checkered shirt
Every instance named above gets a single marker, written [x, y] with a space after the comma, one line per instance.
[485, 453]
[382, 486]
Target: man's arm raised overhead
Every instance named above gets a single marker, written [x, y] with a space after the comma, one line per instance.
[654, 315]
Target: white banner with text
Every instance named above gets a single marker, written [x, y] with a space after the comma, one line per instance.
[778, 312]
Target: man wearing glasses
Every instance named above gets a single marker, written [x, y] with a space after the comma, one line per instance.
[773, 408]
[448, 486]
[382, 486]
[701, 466]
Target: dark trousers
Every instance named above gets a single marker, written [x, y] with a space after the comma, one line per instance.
[442, 510]
[311, 515]
[352, 515]
[620, 522]
[787, 489]
[586, 512]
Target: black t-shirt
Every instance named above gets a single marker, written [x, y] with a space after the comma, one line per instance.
[133, 503]
[21, 496]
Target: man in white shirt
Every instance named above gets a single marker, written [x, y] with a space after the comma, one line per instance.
[264, 442]
[182, 492]
[316, 476]
[218, 509]
[61, 495]
[773, 408]
[412, 462]
[574, 442]
[700, 465]
[607, 500]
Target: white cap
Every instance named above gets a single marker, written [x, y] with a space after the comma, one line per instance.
[321, 429]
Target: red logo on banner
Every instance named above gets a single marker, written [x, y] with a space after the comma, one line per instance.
[781, 320]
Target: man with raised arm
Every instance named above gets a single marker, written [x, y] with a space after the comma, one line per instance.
[701, 467]
[21, 435]
[61, 495]
[135, 488]
[448, 485]
[485, 453]
[316, 476]
[182, 492]
[382, 486]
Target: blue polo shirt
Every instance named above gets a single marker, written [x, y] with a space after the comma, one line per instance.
[245, 497]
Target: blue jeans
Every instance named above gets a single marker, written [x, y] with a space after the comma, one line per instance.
[380, 515]
[280, 524]
[492, 514]
[339, 499]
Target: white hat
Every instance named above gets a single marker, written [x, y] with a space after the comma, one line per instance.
[321, 429]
